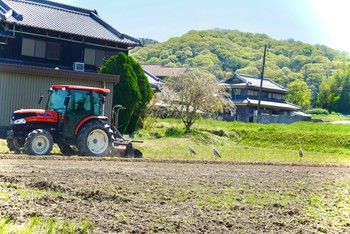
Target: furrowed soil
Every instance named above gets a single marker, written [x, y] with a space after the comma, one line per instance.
[141, 196]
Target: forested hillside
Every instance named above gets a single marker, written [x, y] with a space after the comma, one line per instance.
[224, 52]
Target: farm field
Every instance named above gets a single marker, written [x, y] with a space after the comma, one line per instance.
[108, 195]
[259, 185]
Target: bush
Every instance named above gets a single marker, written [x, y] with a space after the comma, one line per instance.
[317, 111]
[173, 132]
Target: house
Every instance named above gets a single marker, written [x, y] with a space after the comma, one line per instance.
[157, 74]
[50, 34]
[153, 80]
[244, 90]
[44, 43]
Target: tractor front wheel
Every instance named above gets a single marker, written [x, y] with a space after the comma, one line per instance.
[16, 144]
[94, 139]
[38, 142]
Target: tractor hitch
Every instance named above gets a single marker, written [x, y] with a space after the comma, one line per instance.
[124, 148]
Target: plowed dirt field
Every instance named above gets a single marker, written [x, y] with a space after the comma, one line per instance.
[140, 196]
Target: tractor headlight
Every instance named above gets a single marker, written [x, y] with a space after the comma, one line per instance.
[18, 121]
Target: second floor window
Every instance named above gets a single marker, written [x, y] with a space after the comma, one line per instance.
[253, 93]
[94, 57]
[236, 92]
[41, 49]
[278, 96]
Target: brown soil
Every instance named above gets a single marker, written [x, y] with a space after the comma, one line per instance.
[139, 196]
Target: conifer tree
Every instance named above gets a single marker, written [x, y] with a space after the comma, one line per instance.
[133, 90]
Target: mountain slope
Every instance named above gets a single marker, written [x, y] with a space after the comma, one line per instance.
[224, 52]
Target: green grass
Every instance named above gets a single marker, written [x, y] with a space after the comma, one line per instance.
[44, 225]
[331, 117]
[321, 142]
[40, 225]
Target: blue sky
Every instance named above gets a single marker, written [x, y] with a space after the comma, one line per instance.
[312, 21]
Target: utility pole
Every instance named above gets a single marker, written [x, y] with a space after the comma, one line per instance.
[261, 83]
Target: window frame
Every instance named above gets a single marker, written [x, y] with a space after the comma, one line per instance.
[94, 57]
[37, 48]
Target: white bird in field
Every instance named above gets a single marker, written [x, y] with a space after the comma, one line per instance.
[301, 153]
[190, 148]
[192, 151]
[215, 151]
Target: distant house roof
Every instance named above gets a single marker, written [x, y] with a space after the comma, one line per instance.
[243, 81]
[48, 15]
[153, 80]
[263, 103]
[161, 71]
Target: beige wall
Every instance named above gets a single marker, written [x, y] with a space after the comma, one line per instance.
[21, 87]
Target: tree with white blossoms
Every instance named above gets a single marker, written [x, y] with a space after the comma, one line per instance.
[193, 94]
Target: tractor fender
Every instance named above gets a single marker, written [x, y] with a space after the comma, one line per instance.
[88, 119]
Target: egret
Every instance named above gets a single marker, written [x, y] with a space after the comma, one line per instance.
[191, 149]
[301, 153]
[215, 151]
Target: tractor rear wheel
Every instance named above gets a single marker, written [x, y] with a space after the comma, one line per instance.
[38, 142]
[16, 144]
[94, 139]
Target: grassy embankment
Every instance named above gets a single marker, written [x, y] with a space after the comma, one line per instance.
[321, 142]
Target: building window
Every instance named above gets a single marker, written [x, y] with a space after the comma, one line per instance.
[28, 47]
[40, 49]
[53, 51]
[94, 57]
[236, 92]
[278, 96]
[253, 93]
[264, 94]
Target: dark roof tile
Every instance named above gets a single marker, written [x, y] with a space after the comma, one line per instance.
[63, 18]
[161, 71]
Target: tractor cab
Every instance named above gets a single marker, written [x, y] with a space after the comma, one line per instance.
[75, 105]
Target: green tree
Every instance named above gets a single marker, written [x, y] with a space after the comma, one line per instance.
[299, 93]
[335, 91]
[344, 101]
[324, 93]
[146, 96]
[253, 71]
[297, 62]
[127, 91]
[194, 93]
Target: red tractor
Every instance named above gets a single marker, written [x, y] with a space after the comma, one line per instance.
[72, 119]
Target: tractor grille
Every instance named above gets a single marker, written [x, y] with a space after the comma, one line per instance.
[22, 116]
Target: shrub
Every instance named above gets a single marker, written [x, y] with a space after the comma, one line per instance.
[173, 132]
[317, 111]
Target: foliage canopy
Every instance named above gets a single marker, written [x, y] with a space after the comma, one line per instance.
[193, 94]
[133, 90]
[225, 52]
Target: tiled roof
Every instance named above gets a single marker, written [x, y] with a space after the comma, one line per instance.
[255, 82]
[48, 15]
[282, 105]
[153, 80]
[161, 71]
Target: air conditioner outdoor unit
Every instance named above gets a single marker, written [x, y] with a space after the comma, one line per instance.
[77, 66]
